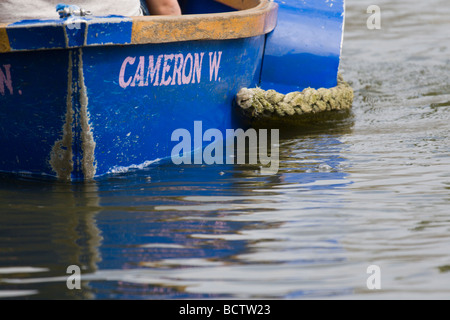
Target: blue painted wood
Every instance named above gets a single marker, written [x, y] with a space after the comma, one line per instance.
[131, 115]
[69, 32]
[107, 30]
[202, 6]
[76, 33]
[32, 112]
[304, 49]
[42, 34]
[137, 95]
[134, 124]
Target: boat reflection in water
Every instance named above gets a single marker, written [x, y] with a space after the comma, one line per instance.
[45, 227]
[192, 231]
[183, 231]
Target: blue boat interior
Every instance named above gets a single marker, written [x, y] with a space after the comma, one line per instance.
[203, 7]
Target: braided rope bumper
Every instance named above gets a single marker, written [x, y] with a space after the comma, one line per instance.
[258, 104]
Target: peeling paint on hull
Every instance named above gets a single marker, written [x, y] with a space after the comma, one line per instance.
[80, 100]
[87, 136]
[84, 125]
[61, 155]
[67, 159]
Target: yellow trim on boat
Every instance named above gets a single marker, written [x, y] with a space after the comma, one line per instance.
[4, 40]
[252, 18]
[254, 21]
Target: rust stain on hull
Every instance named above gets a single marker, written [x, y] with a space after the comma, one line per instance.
[62, 155]
[87, 136]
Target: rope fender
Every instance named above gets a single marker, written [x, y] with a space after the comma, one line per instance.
[257, 103]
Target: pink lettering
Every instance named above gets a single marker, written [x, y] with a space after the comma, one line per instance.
[5, 79]
[214, 65]
[166, 68]
[187, 78]
[163, 70]
[153, 70]
[122, 83]
[139, 76]
[177, 68]
[197, 67]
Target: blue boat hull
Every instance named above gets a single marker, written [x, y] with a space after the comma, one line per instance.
[304, 49]
[122, 102]
[82, 97]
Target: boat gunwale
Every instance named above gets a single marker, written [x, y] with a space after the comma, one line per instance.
[243, 23]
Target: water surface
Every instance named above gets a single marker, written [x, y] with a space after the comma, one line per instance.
[370, 188]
